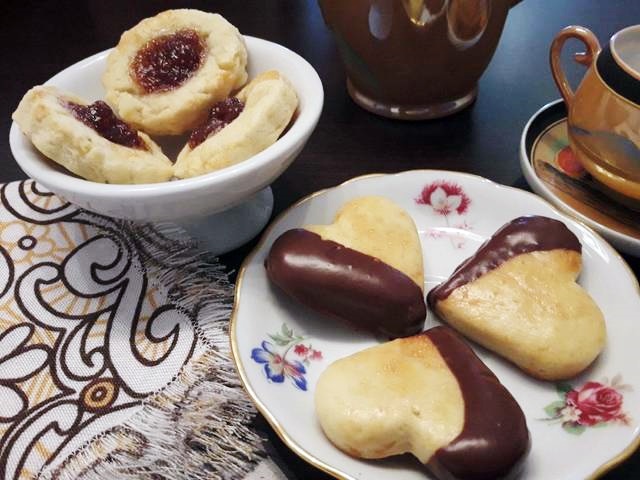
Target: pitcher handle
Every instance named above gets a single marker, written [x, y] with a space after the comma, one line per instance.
[584, 58]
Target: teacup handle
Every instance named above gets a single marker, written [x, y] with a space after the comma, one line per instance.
[584, 58]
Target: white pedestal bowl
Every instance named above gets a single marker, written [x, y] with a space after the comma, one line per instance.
[222, 209]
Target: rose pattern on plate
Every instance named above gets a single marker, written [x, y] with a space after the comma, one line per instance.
[446, 199]
[594, 404]
[277, 359]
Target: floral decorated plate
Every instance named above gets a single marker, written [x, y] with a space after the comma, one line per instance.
[579, 429]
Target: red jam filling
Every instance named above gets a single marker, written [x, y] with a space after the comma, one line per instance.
[221, 115]
[101, 118]
[167, 61]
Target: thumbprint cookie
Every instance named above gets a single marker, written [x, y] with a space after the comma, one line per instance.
[239, 127]
[168, 70]
[89, 139]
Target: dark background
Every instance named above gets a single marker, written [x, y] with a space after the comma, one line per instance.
[38, 39]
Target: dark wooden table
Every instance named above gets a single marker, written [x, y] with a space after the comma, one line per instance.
[37, 39]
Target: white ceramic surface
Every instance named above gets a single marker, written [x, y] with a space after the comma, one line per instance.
[620, 240]
[229, 229]
[450, 230]
[194, 197]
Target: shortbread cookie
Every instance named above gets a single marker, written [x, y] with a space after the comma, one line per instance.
[89, 140]
[240, 127]
[167, 71]
[428, 395]
[365, 268]
[517, 296]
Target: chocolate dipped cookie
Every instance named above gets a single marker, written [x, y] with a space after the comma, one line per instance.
[365, 268]
[518, 296]
[428, 395]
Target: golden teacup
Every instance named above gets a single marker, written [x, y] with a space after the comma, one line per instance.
[604, 112]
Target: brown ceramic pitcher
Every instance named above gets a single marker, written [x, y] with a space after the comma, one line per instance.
[415, 59]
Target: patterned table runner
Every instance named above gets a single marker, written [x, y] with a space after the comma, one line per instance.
[114, 351]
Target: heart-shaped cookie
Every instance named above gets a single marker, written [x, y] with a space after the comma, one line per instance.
[365, 268]
[428, 395]
[518, 296]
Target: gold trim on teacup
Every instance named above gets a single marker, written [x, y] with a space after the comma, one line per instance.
[284, 436]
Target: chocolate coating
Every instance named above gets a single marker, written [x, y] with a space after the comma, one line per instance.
[522, 235]
[494, 440]
[344, 283]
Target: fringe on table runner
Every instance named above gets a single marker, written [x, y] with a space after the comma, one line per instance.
[196, 427]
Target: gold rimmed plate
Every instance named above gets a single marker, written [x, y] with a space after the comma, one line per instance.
[280, 348]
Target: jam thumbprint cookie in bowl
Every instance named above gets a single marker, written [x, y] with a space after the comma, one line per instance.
[89, 139]
[167, 71]
[240, 127]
